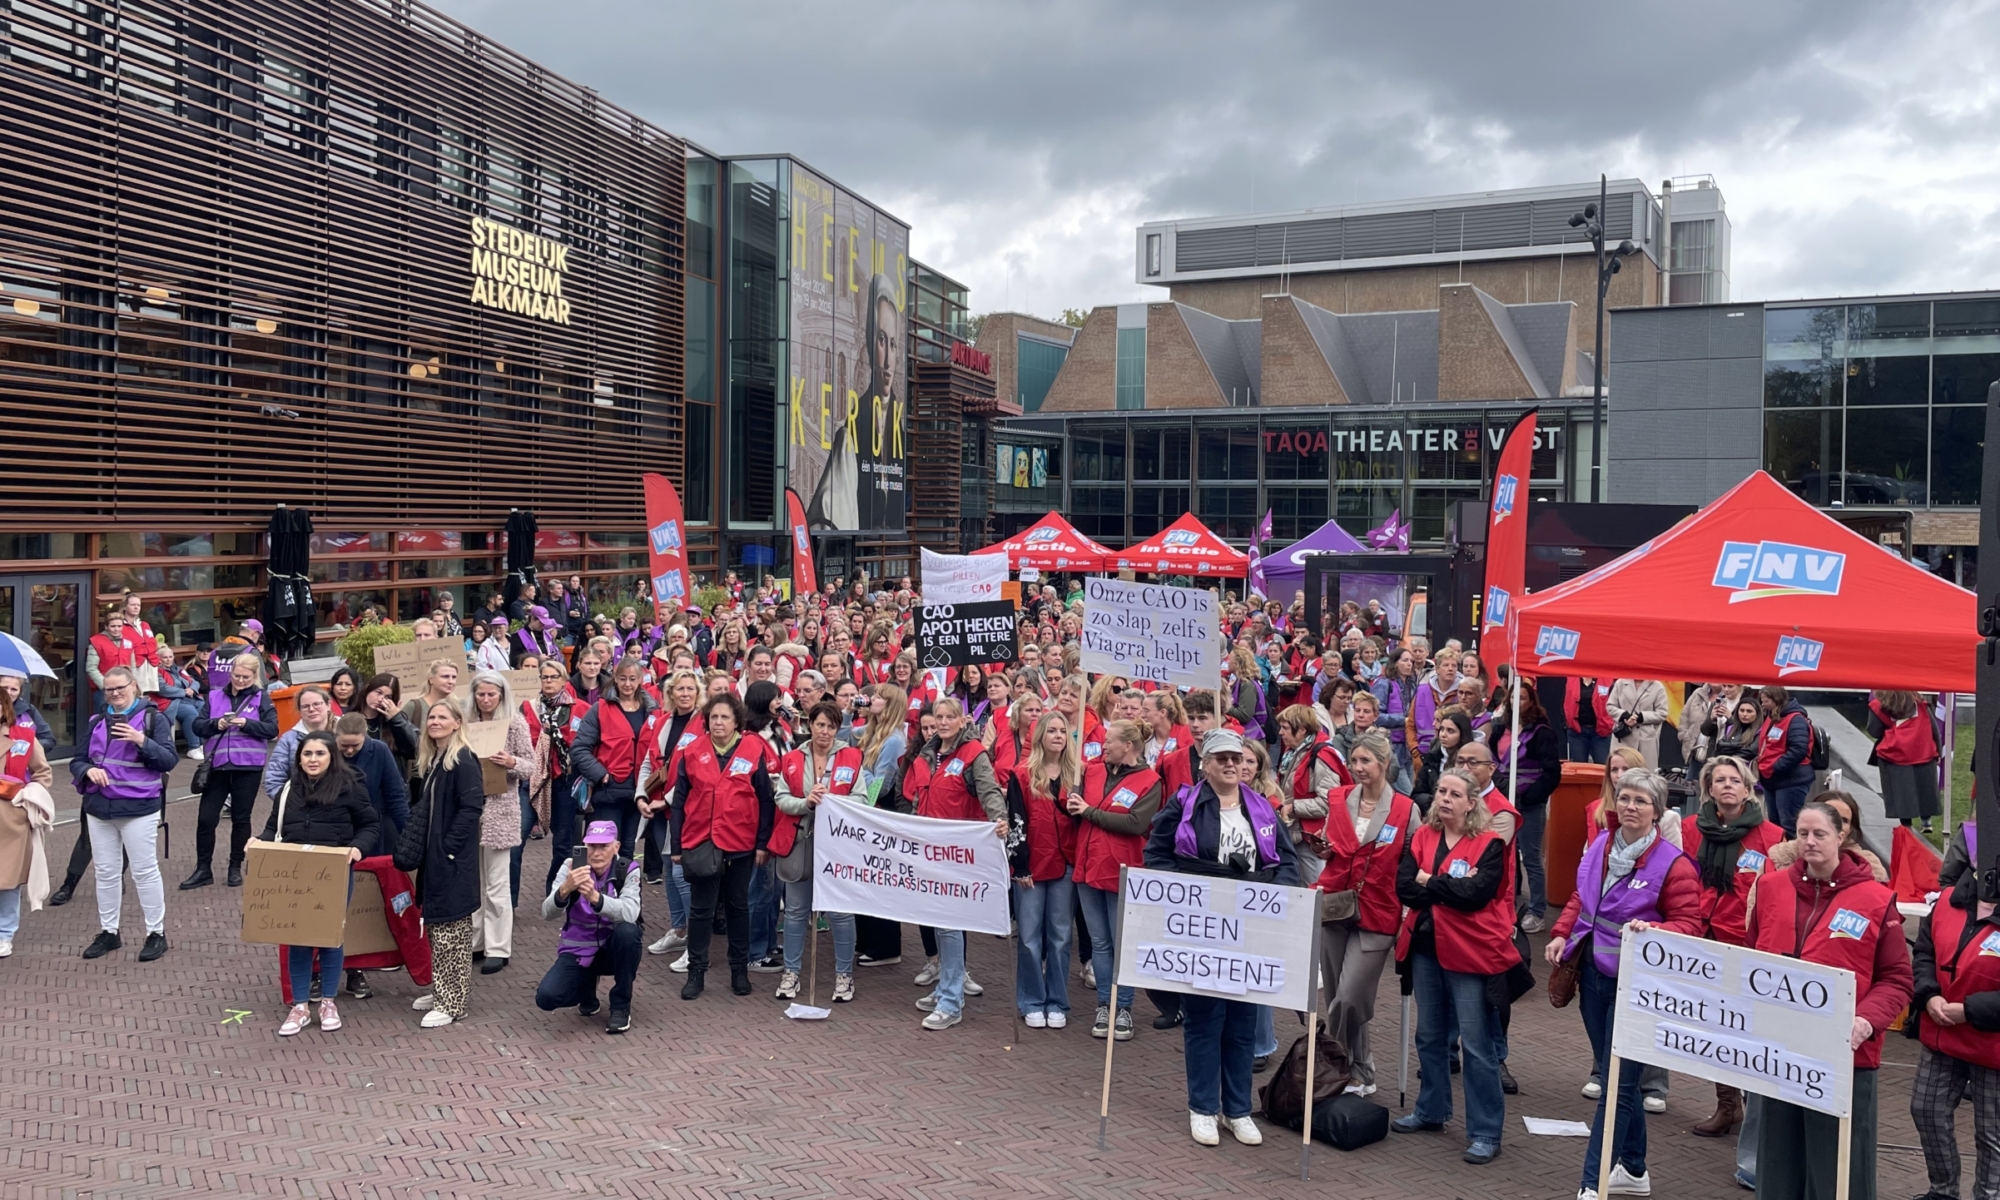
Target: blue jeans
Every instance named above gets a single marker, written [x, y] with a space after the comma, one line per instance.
[676, 886]
[299, 961]
[764, 904]
[1217, 1039]
[1041, 964]
[950, 990]
[563, 832]
[1267, 1032]
[568, 985]
[514, 858]
[182, 713]
[1786, 803]
[10, 914]
[1589, 747]
[1441, 995]
[1534, 819]
[1597, 999]
[798, 927]
[1100, 917]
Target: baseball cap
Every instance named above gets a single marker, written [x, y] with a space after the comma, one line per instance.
[537, 612]
[1223, 741]
[253, 625]
[601, 833]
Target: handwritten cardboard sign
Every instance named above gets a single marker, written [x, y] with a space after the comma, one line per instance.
[486, 739]
[368, 918]
[410, 662]
[294, 895]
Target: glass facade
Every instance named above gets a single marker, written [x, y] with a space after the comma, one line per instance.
[1880, 403]
[1131, 378]
[1129, 477]
[1036, 362]
[759, 217]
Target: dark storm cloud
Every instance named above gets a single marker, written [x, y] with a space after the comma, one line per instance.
[1024, 140]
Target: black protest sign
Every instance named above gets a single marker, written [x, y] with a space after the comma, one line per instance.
[951, 635]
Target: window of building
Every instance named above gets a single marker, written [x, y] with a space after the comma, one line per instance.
[1296, 511]
[698, 497]
[1231, 512]
[1153, 253]
[1131, 376]
[1099, 453]
[1035, 365]
[1886, 452]
[700, 340]
[1099, 512]
[1888, 354]
[1227, 451]
[1963, 378]
[1802, 449]
[1161, 452]
[1804, 353]
[1360, 509]
[1428, 506]
[1957, 454]
[1297, 452]
[1155, 508]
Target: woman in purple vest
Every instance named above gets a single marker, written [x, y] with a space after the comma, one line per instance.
[237, 732]
[1630, 878]
[122, 776]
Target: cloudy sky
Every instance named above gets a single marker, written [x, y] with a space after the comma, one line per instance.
[1854, 142]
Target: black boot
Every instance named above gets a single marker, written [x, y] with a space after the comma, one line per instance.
[692, 988]
[61, 895]
[236, 874]
[739, 978]
[201, 878]
[357, 986]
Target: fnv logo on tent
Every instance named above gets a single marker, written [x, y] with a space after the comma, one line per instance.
[1181, 537]
[1797, 654]
[1503, 497]
[1046, 533]
[1765, 569]
[1555, 644]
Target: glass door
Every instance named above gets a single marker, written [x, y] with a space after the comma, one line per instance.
[48, 613]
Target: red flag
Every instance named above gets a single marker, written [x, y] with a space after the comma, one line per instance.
[667, 543]
[1507, 539]
[804, 580]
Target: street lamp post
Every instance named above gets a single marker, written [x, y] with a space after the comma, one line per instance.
[1591, 220]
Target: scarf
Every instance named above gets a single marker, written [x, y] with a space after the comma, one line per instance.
[1622, 857]
[1719, 839]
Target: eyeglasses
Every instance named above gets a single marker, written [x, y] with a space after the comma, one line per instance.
[1463, 761]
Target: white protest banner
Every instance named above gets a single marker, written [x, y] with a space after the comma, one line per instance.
[1762, 1022]
[1169, 635]
[1212, 936]
[876, 863]
[962, 578]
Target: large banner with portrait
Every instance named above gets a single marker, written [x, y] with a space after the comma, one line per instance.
[847, 429]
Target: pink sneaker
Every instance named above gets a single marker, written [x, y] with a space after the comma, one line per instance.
[329, 1016]
[297, 1019]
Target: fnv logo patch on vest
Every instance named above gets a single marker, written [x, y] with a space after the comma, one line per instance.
[843, 774]
[1556, 644]
[1123, 799]
[741, 766]
[1796, 654]
[1765, 569]
[1847, 923]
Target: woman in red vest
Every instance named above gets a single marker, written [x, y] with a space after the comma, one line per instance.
[1016, 738]
[1730, 843]
[1957, 961]
[1114, 810]
[1828, 908]
[1043, 851]
[1361, 841]
[1457, 935]
[611, 746]
[1906, 752]
[807, 776]
[723, 812]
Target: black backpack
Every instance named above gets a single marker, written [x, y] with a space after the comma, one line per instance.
[1817, 755]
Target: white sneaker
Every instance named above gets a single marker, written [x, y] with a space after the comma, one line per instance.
[1035, 1020]
[424, 1003]
[6, 947]
[788, 986]
[972, 987]
[1245, 1130]
[673, 941]
[941, 1020]
[1623, 1184]
[1534, 924]
[1090, 975]
[679, 965]
[197, 754]
[436, 1018]
[1202, 1125]
[1593, 1090]
[1358, 1089]
[1586, 1194]
[928, 976]
[1057, 1019]
[1654, 1104]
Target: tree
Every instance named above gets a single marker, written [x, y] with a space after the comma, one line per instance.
[1075, 317]
[973, 324]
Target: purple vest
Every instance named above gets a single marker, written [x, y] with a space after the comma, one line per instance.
[236, 750]
[1635, 897]
[585, 930]
[1526, 770]
[128, 777]
[1263, 824]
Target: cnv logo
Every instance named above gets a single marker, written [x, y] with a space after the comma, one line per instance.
[1181, 537]
[1047, 533]
[1765, 569]
[1554, 643]
[666, 537]
[1503, 497]
[1497, 602]
[1797, 654]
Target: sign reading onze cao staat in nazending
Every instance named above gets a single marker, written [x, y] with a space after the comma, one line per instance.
[1769, 1024]
[1214, 936]
[1169, 635]
[952, 635]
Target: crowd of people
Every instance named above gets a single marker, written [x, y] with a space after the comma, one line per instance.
[1410, 783]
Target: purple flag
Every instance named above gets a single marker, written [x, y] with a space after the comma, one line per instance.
[1257, 583]
[1392, 534]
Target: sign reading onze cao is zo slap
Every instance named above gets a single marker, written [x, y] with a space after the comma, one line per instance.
[1169, 635]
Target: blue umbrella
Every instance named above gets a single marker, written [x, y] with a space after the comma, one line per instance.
[19, 658]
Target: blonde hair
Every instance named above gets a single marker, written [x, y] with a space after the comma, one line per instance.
[895, 715]
[1133, 733]
[1742, 769]
[1266, 783]
[256, 660]
[1170, 704]
[1476, 816]
[1101, 696]
[430, 755]
[1300, 718]
[1631, 757]
[1067, 763]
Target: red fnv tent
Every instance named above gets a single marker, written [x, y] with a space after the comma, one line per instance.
[1051, 544]
[1758, 587]
[1186, 547]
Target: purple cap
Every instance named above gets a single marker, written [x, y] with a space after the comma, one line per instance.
[601, 833]
[253, 625]
[538, 613]
[497, 623]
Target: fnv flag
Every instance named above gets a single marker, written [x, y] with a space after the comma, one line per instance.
[1507, 539]
[666, 544]
[805, 580]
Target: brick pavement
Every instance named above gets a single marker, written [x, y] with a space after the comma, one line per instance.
[120, 1079]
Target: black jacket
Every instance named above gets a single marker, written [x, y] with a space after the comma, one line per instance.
[1161, 856]
[349, 820]
[441, 842]
[383, 777]
[1982, 1009]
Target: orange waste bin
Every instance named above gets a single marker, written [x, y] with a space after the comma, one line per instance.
[286, 701]
[1564, 837]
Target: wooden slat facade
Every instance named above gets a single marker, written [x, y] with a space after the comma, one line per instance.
[236, 270]
[945, 398]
